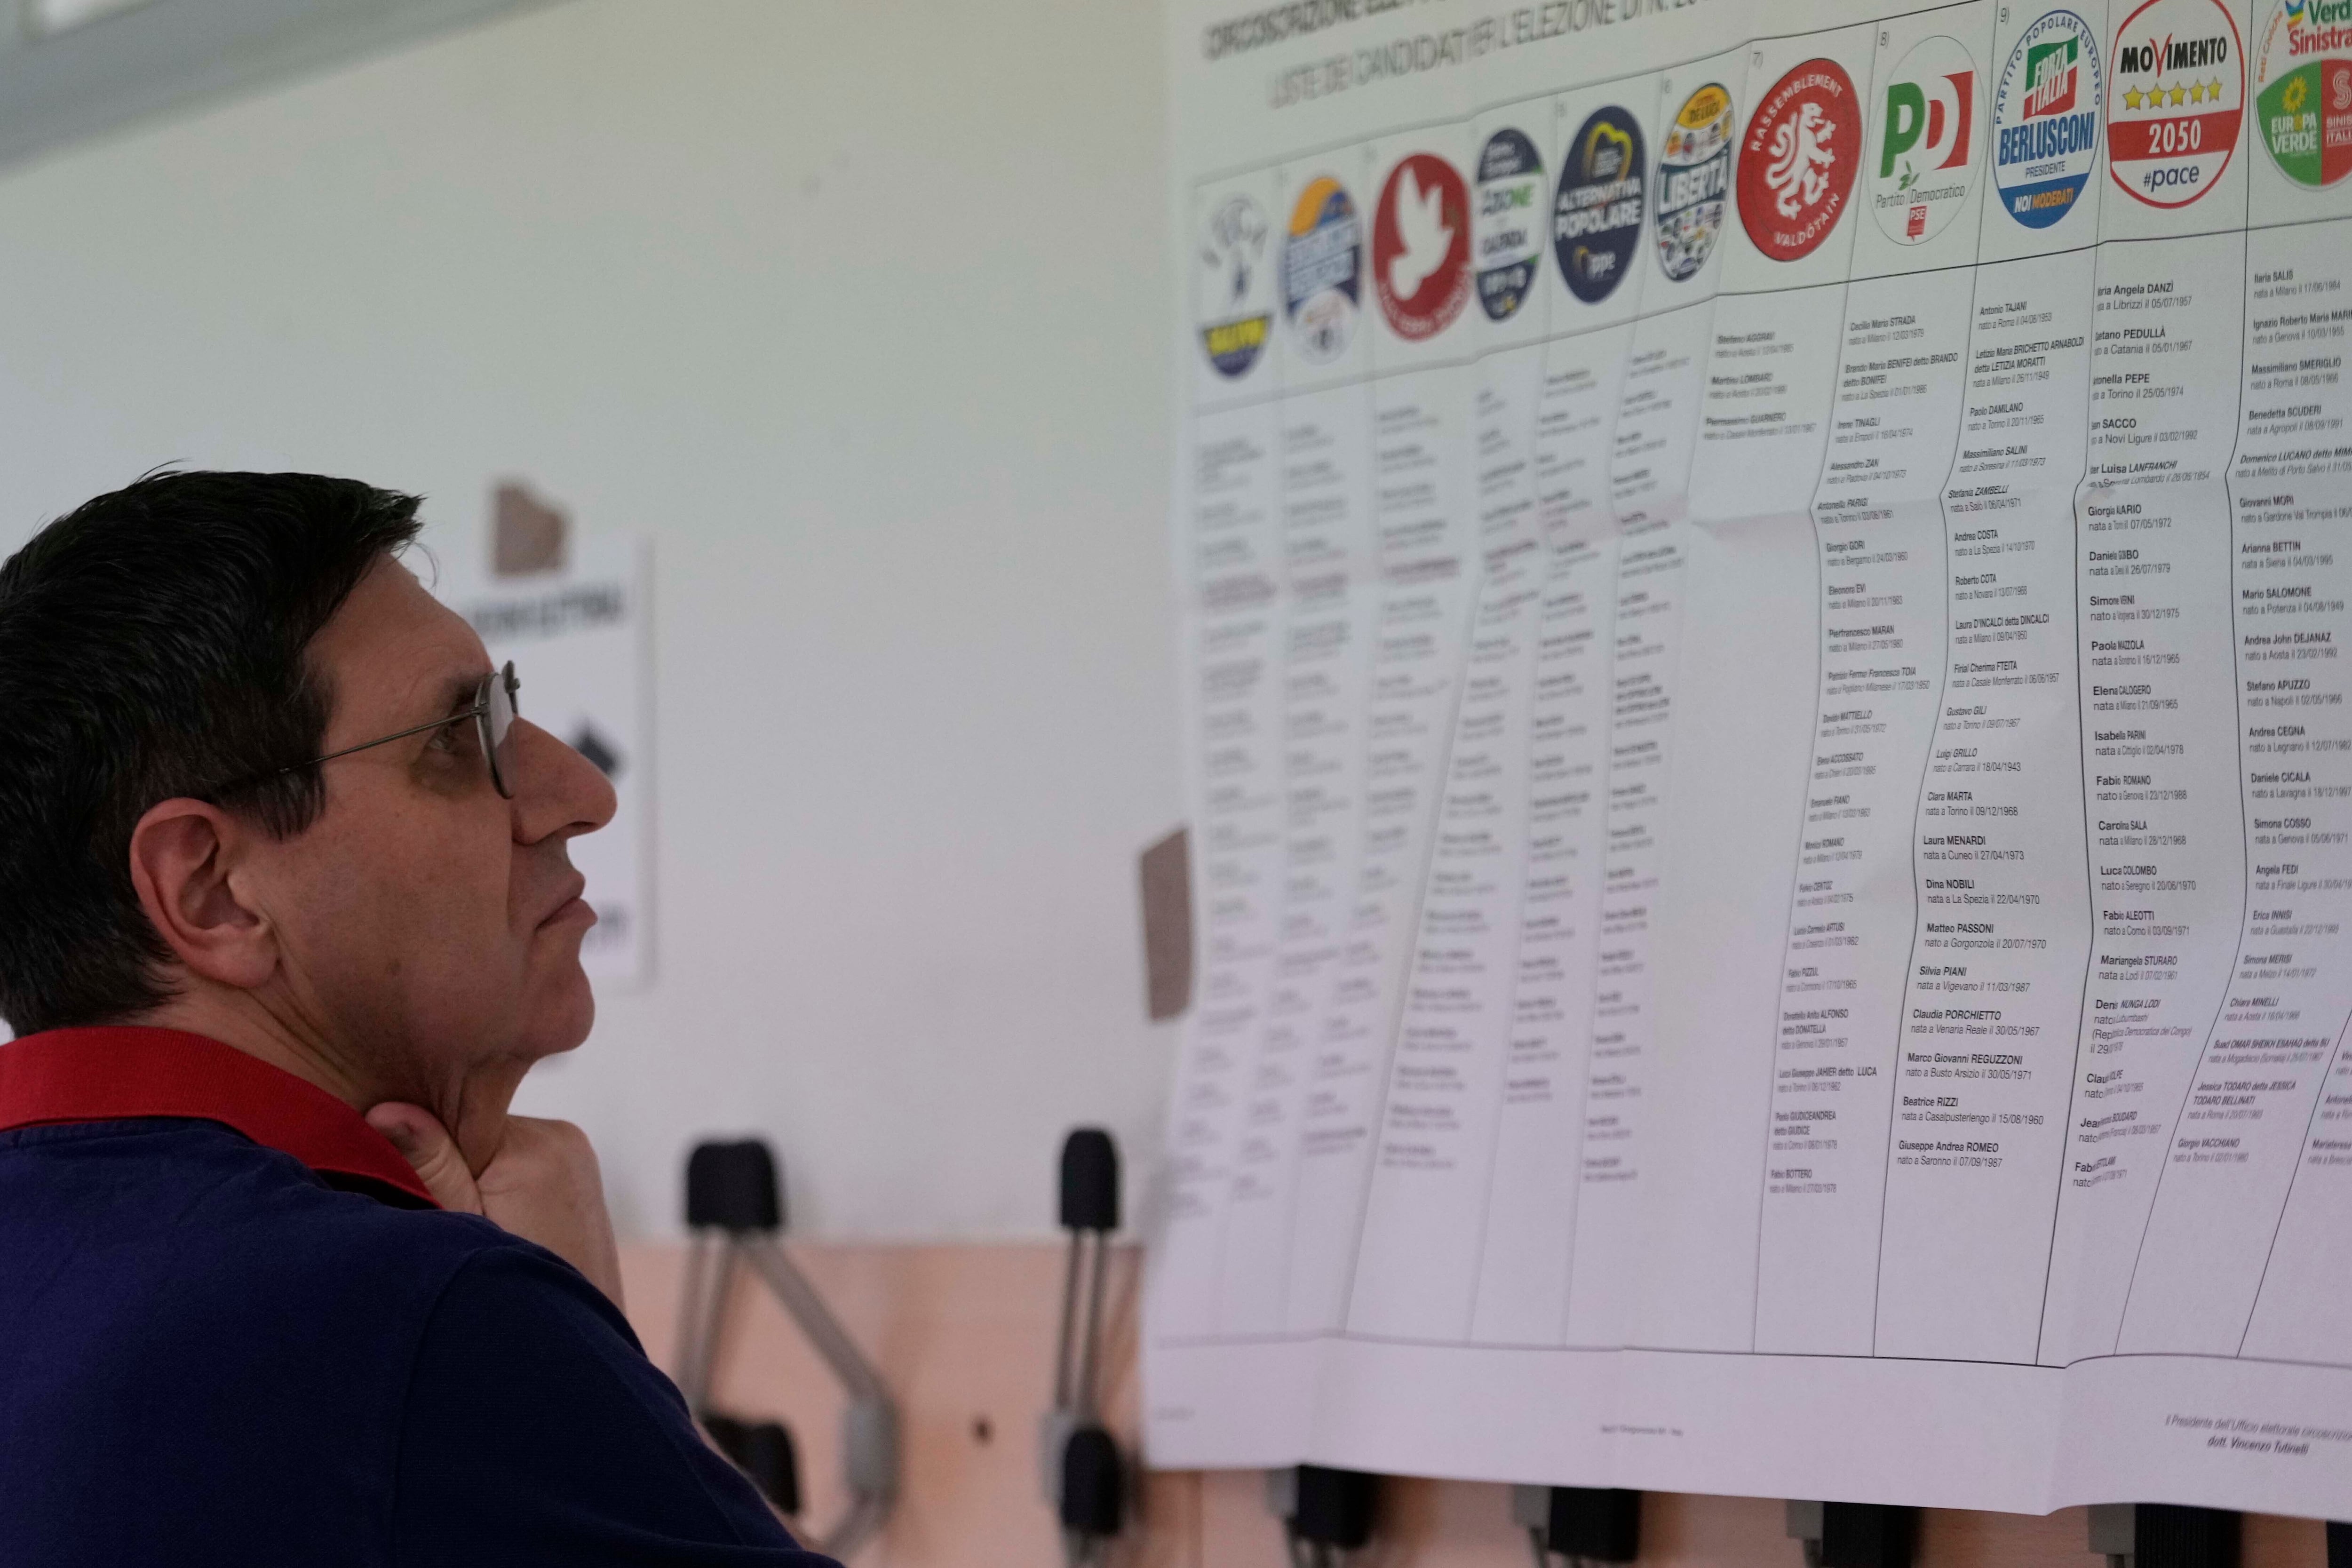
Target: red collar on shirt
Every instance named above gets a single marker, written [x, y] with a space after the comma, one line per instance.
[115, 1074]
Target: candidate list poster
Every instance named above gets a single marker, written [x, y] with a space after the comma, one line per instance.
[1763, 606]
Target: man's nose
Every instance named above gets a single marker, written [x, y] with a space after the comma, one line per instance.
[557, 790]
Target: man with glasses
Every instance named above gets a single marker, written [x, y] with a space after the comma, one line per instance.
[285, 914]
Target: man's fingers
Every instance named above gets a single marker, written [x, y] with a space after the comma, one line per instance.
[542, 1184]
[426, 1146]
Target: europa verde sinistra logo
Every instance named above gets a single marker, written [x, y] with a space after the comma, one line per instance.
[2302, 90]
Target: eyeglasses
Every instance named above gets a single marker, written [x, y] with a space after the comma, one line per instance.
[493, 713]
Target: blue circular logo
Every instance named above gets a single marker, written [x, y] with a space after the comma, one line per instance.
[1509, 230]
[1596, 219]
[2045, 120]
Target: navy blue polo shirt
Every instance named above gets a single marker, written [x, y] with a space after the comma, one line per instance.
[235, 1330]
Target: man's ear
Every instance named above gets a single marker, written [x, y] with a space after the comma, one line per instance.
[181, 853]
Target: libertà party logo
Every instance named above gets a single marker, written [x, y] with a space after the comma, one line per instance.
[1693, 181]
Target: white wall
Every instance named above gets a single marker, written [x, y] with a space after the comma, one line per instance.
[853, 305]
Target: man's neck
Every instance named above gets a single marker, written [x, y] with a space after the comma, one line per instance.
[245, 1025]
[471, 1101]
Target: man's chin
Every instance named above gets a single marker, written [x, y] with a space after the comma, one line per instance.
[561, 1015]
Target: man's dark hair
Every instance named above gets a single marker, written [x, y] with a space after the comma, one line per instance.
[152, 644]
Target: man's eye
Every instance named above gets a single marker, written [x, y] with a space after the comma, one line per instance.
[445, 739]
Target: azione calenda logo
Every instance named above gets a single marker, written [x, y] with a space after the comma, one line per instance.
[1509, 228]
[1421, 246]
[1693, 181]
[1323, 270]
[1798, 159]
[1596, 218]
[2045, 120]
[1926, 142]
[2177, 97]
[2302, 90]
[1232, 284]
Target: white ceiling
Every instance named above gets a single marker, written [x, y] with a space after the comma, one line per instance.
[141, 60]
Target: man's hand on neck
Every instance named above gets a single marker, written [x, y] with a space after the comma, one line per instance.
[544, 1185]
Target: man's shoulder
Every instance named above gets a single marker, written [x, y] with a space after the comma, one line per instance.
[186, 1227]
[157, 1179]
[339, 1379]
[173, 1277]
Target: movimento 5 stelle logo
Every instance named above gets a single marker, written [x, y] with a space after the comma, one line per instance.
[2175, 104]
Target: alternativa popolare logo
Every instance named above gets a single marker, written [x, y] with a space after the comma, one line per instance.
[1596, 218]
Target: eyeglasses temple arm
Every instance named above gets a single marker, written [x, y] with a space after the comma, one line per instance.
[475, 712]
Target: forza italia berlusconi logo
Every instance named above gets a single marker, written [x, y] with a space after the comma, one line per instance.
[2045, 120]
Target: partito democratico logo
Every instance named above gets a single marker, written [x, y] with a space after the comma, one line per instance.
[1925, 152]
[1232, 284]
[2175, 104]
[2045, 120]
[2302, 90]
[1797, 160]
[1421, 246]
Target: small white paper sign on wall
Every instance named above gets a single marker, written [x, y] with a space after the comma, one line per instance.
[571, 610]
